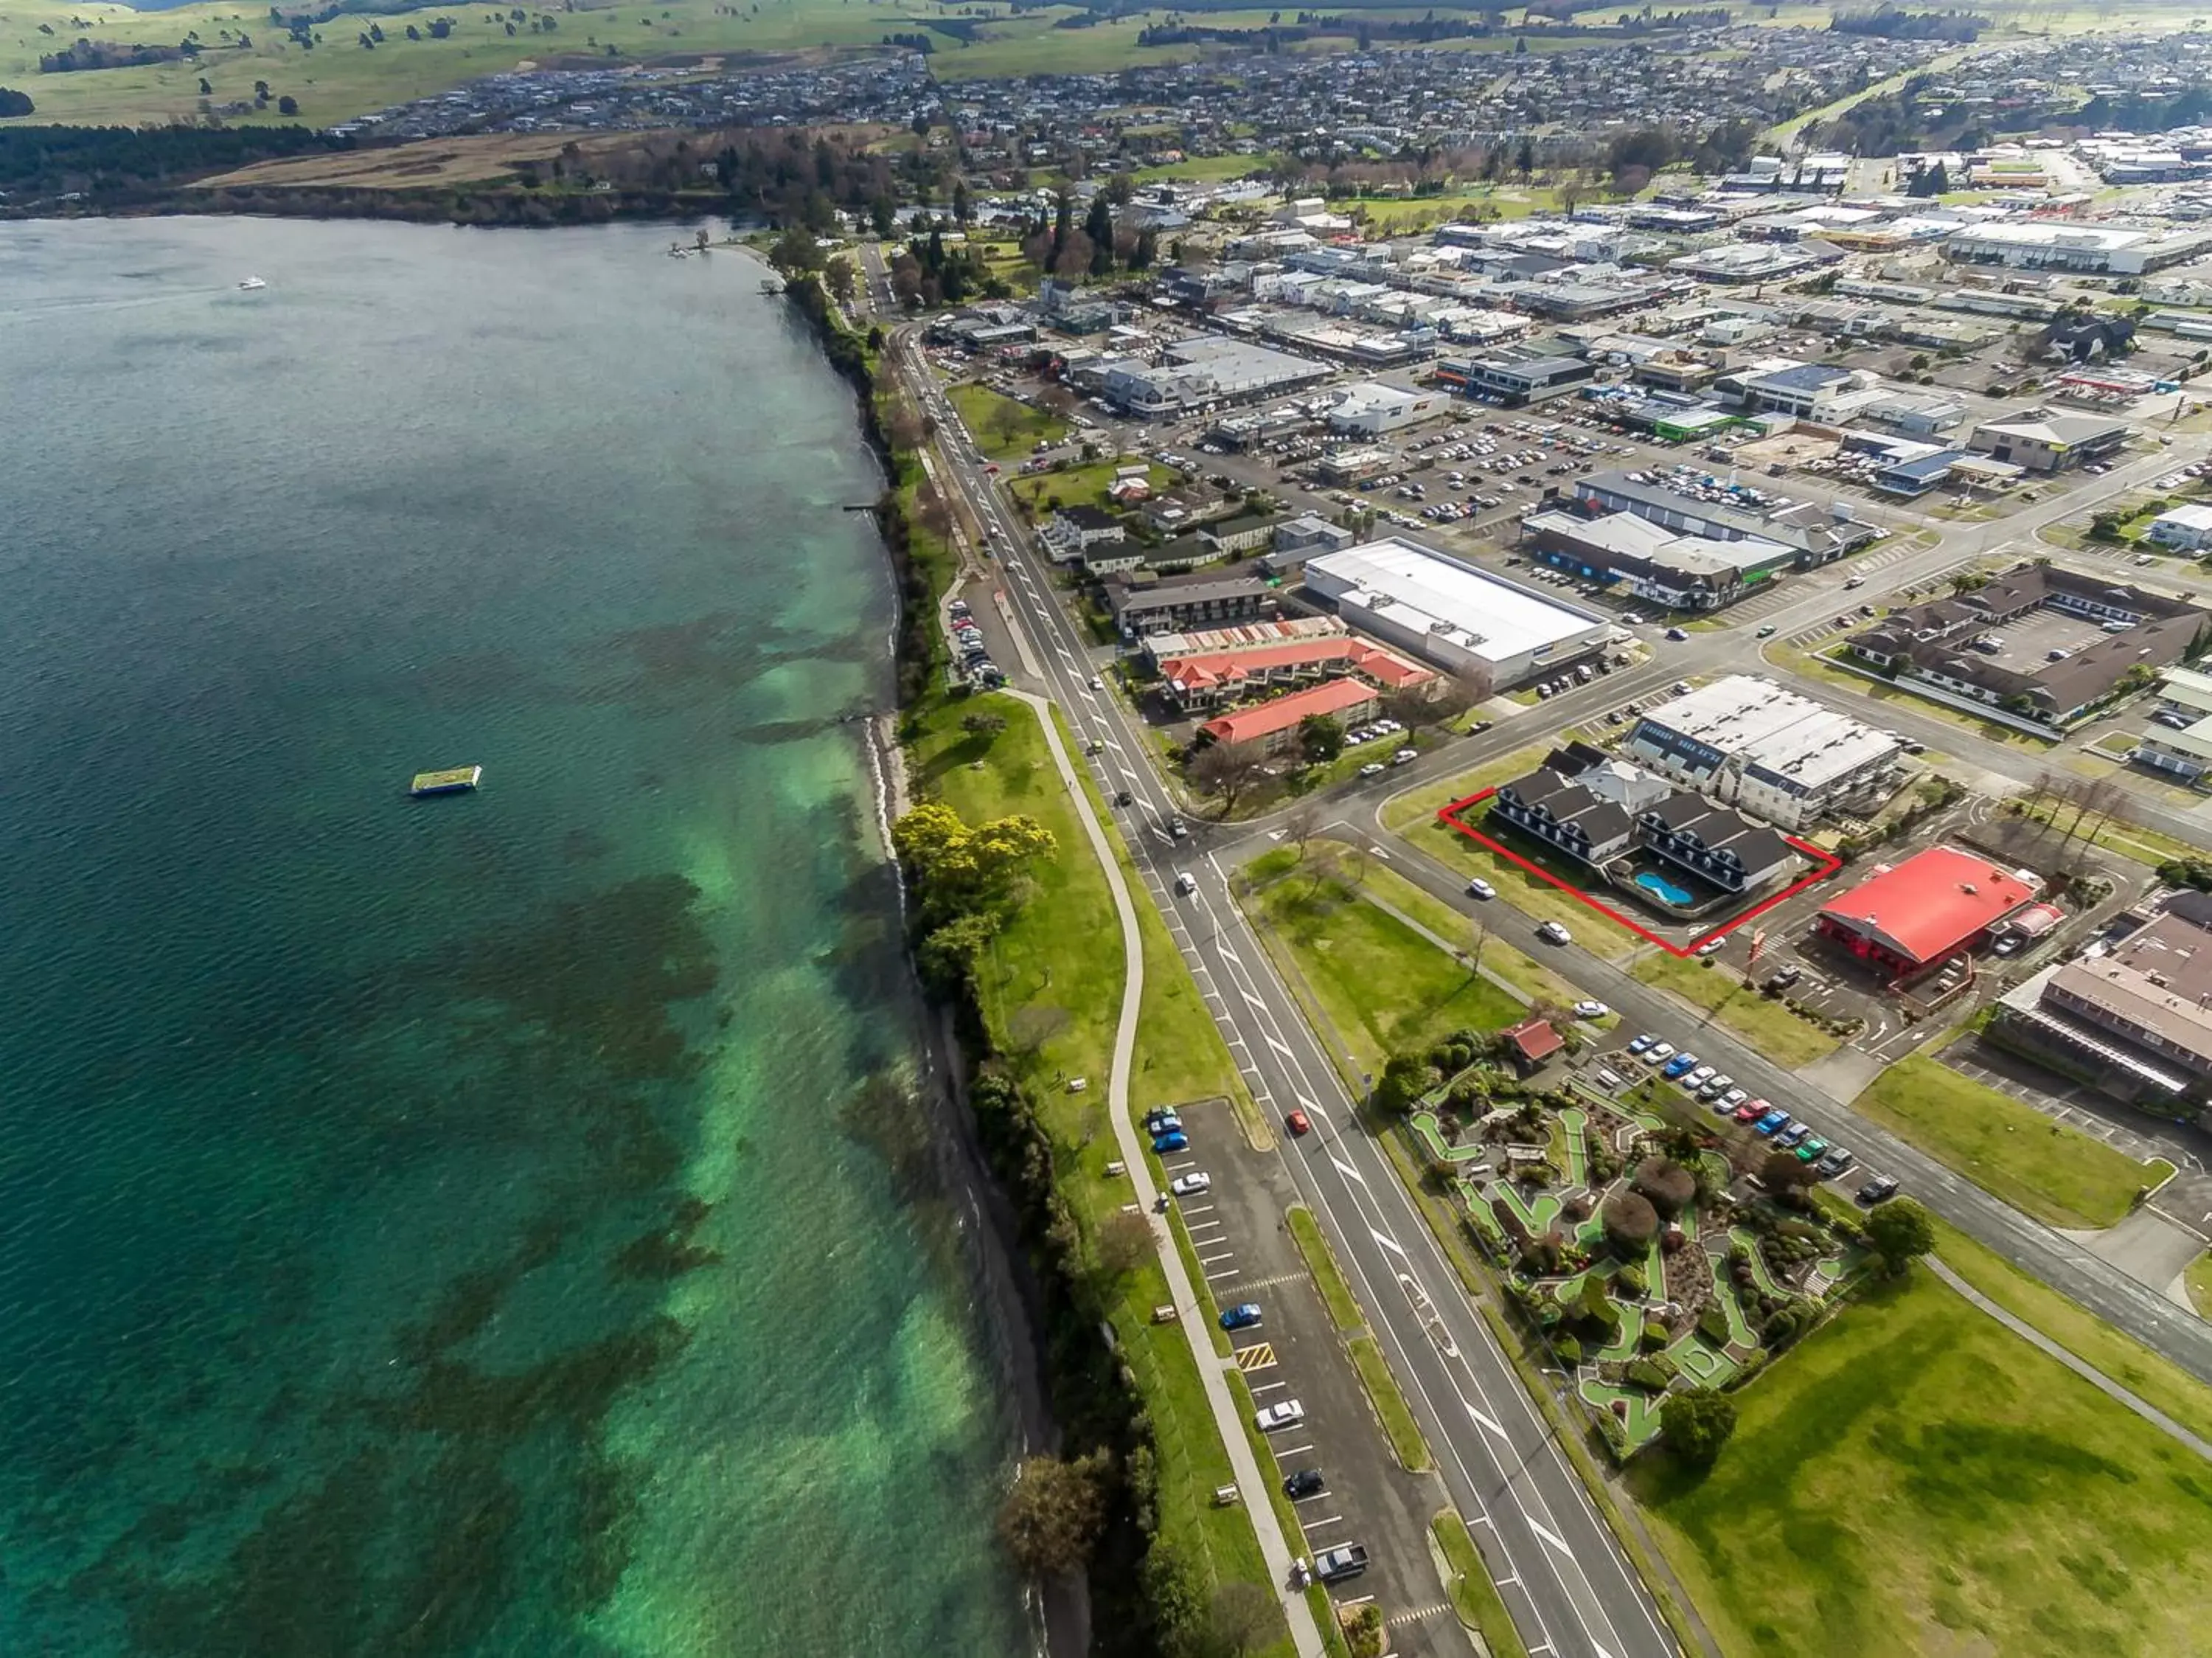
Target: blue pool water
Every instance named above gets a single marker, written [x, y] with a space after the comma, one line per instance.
[1652, 881]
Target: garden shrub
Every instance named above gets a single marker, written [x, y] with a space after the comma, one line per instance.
[1655, 1333]
[1642, 1373]
[1568, 1350]
[1713, 1325]
[1670, 1187]
[1630, 1223]
[1630, 1280]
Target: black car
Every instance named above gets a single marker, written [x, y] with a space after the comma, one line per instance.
[1878, 1190]
[1122, 797]
[1303, 1482]
[1782, 979]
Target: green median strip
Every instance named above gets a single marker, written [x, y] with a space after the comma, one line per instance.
[1474, 1596]
[1306, 1231]
[1383, 1391]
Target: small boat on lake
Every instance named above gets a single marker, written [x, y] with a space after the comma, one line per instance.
[457, 780]
[251, 283]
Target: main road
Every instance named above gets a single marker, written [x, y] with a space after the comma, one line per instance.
[1562, 1576]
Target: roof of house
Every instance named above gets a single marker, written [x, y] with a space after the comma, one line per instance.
[1536, 1040]
[1249, 724]
[1386, 667]
[1931, 903]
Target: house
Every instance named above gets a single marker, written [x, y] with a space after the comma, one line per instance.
[1274, 725]
[1531, 1043]
[2044, 440]
[2185, 529]
[1234, 536]
[1143, 607]
[1070, 530]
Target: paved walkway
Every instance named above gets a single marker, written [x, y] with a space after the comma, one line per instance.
[1228, 1417]
[2088, 1373]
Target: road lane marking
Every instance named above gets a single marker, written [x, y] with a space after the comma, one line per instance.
[1552, 1539]
[1388, 1243]
[1261, 1355]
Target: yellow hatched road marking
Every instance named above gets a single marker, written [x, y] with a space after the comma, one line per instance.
[1259, 1355]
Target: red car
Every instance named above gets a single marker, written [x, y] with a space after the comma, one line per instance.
[1752, 1110]
[1297, 1122]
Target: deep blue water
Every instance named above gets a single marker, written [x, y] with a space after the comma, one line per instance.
[466, 1227]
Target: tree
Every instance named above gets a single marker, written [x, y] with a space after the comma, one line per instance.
[1320, 737]
[205, 89]
[1669, 1186]
[1630, 1223]
[13, 103]
[1051, 1518]
[1099, 226]
[1524, 160]
[836, 275]
[288, 105]
[983, 725]
[796, 251]
[963, 204]
[1406, 1078]
[1243, 1618]
[1175, 1590]
[1300, 822]
[1899, 1232]
[961, 870]
[1147, 253]
[1074, 259]
[948, 956]
[1697, 1423]
[1226, 771]
[1125, 1243]
[1782, 1173]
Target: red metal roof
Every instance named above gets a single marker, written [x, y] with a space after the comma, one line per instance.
[1536, 1040]
[1932, 903]
[1249, 723]
[1201, 669]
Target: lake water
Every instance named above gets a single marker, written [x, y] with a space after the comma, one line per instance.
[465, 1226]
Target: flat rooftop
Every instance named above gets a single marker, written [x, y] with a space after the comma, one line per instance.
[1500, 618]
[1805, 742]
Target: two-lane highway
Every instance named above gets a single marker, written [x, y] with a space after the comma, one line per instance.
[1570, 1589]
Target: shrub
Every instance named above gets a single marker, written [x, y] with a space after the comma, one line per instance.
[1697, 1425]
[1642, 1373]
[1630, 1222]
[1713, 1325]
[1568, 1350]
[1655, 1333]
[1630, 1281]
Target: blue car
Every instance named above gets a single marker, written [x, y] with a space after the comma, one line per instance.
[1681, 1065]
[1174, 1140]
[1641, 1043]
[1162, 1121]
[1241, 1318]
[1771, 1122]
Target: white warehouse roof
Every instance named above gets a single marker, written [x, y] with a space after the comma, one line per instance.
[1422, 590]
[1805, 742]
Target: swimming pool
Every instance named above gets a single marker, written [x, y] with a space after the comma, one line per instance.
[1651, 881]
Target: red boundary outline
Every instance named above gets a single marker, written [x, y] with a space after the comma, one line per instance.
[1829, 863]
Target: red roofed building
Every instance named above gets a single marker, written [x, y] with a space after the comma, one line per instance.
[1213, 678]
[1275, 726]
[1925, 909]
[1533, 1041]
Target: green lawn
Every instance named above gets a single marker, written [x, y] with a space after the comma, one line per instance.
[1390, 1408]
[1335, 1293]
[1382, 985]
[1421, 805]
[1526, 892]
[2040, 1167]
[1003, 427]
[1524, 972]
[1779, 1034]
[1915, 1479]
[1051, 992]
[1474, 1597]
[1083, 485]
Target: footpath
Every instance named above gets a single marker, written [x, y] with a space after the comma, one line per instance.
[1228, 1419]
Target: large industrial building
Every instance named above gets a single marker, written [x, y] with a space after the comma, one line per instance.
[1748, 742]
[1672, 568]
[1206, 368]
[1454, 615]
[1817, 536]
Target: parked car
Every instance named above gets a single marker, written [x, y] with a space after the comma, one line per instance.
[1553, 933]
[1834, 1163]
[1679, 1066]
[1773, 1120]
[1717, 1086]
[1189, 1186]
[1812, 1150]
[1345, 1560]
[1242, 1316]
[1161, 1121]
[1480, 888]
[1879, 1190]
[1303, 1482]
[1288, 1414]
[1782, 979]
[1790, 1136]
[1173, 1140]
[1591, 1010]
[1752, 1110]
[1298, 1123]
[1658, 1053]
[1698, 1077]
[1637, 1044]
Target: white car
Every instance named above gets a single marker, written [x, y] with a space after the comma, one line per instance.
[1480, 888]
[1712, 946]
[1553, 933]
[1591, 1010]
[1373, 769]
[1288, 1414]
[1658, 1053]
[1098, 684]
[1186, 883]
[1697, 1079]
[1189, 1186]
[1405, 756]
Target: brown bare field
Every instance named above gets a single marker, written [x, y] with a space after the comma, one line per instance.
[479, 158]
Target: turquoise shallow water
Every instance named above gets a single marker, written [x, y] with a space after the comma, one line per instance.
[462, 1227]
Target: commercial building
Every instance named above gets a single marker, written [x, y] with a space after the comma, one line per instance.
[2185, 529]
[1341, 466]
[2051, 245]
[1666, 567]
[1747, 742]
[2137, 1018]
[1454, 615]
[1817, 537]
[1247, 532]
[2041, 642]
[2044, 440]
[1169, 606]
[1371, 409]
[1273, 726]
[1206, 368]
[1935, 905]
[1515, 380]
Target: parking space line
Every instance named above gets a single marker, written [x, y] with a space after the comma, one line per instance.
[1269, 1387]
[1230, 1273]
[1298, 1450]
[1315, 1525]
[1225, 1255]
[1203, 1209]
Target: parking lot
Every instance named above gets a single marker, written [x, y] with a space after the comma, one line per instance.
[1246, 1252]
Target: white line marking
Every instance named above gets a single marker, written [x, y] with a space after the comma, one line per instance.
[1388, 1243]
[1551, 1539]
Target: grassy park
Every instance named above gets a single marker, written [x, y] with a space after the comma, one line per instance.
[1913, 1478]
[2039, 1166]
[1002, 426]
